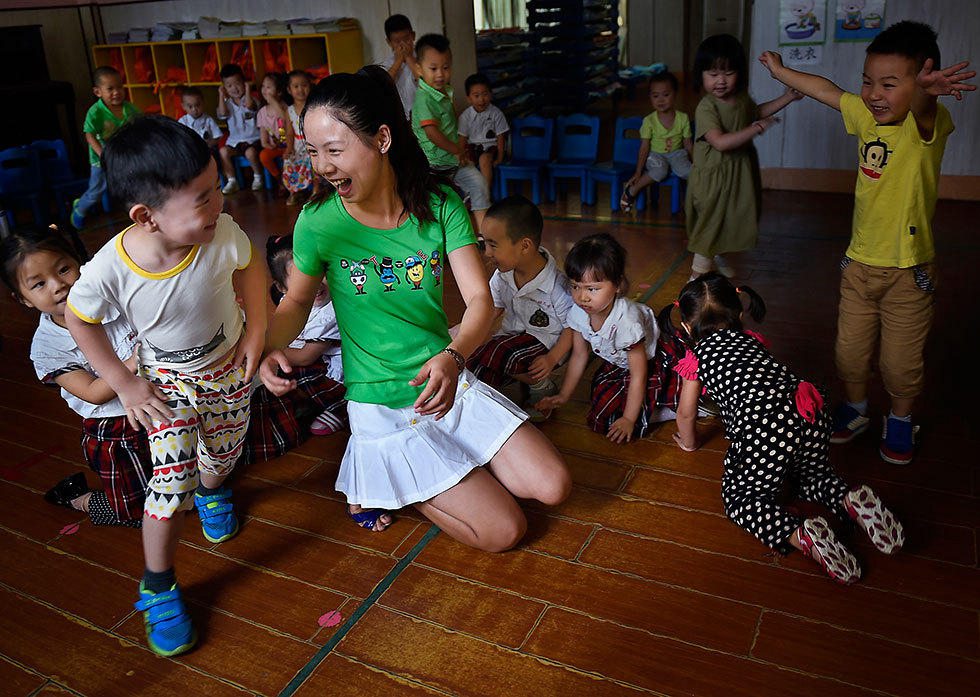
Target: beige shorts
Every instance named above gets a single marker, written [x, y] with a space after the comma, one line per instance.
[895, 305]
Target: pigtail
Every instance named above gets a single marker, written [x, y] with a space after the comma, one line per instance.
[663, 319]
[756, 308]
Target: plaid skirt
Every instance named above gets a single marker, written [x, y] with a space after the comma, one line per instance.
[503, 357]
[120, 455]
[610, 388]
[278, 424]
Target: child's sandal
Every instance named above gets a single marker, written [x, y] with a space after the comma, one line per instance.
[626, 200]
[820, 544]
[867, 510]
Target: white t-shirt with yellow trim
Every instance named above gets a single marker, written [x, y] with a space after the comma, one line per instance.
[897, 181]
[186, 317]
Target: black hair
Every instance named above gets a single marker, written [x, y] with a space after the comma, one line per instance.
[913, 40]
[520, 217]
[29, 239]
[104, 71]
[437, 42]
[601, 256]
[230, 70]
[278, 255]
[279, 80]
[396, 23]
[476, 79]
[150, 157]
[191, 92]
[665, 76]
[364, 102]
[709, 304]
[721, 52]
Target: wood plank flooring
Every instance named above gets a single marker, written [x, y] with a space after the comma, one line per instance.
[637, 584]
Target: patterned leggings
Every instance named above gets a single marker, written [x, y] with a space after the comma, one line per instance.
[775, 444]
[211, 409]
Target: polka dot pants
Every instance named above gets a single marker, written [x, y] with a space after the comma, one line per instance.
[773, 445]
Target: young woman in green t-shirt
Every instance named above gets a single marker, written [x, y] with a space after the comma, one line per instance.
[422, 426]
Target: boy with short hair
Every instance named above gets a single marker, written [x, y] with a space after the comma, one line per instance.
[195, 118]
[401, 64]
[236, 106]
[174, 275]
[435, 126]
[110, 111]
[483, 127]
[665, 141]
[887, 273]
[532, 298]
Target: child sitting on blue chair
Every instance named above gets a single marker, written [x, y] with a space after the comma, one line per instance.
[666, 141]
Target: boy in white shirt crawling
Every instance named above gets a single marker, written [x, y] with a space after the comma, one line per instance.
[532, 300]
[174, 275]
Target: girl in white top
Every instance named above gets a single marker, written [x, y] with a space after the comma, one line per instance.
[40, 267]
[633, 387]
[318, 344]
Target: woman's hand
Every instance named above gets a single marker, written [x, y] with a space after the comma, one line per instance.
[269, 373]
[440, 374]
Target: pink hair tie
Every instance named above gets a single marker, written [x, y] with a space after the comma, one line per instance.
[677, 303]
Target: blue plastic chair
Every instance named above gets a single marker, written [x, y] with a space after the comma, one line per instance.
[530, 138]
[677, 188]
[58, 175]
[626, 150]
[21, 182]
[578, 145]
[241, 163]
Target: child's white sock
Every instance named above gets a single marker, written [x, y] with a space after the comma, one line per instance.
[860, 407]
[907, 418]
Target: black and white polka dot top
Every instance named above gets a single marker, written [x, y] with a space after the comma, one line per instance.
[739, 374]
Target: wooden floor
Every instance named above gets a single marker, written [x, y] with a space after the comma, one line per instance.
[637, 584]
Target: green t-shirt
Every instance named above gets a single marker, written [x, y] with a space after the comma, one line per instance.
[387, 291]
[101, 122]
[665, 139]
[896, 188]
[433, 107]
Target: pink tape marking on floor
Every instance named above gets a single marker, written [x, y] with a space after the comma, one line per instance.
[330, 619]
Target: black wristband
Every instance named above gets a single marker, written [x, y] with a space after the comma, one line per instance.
[457, 357]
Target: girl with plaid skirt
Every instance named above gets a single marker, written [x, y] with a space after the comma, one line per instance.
[777, 428]
[634, 386]
[40, 266]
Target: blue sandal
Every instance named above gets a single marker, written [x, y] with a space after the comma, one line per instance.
[369, 518]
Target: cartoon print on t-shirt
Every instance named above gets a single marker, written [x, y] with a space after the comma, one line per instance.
[415, 270]
[874, 157]
[358, 276]
[386, 272]
[436, 264]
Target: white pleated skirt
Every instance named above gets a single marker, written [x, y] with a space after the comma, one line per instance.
[396, 457]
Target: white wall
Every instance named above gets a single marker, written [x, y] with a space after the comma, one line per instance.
[812, 135]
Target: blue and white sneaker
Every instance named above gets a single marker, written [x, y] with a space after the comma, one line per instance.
[848, 424]
[169, 630]
[218, 521]
[897, 441]
[77, 220]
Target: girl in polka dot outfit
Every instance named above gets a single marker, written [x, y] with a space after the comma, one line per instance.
[777, 427]
[634, 387]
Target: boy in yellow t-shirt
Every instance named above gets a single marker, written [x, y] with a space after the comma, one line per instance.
[887, 275]
[666, 144]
